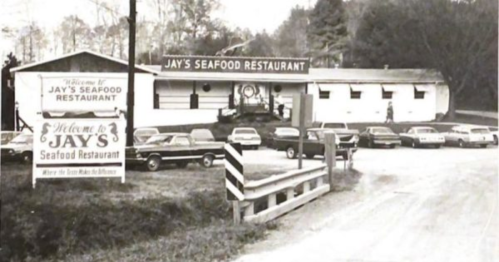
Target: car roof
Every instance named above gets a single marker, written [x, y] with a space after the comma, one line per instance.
[378, 127]
[173, 134]
[422, 127]
[247, 128]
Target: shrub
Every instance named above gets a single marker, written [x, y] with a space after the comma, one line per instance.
[46, 222]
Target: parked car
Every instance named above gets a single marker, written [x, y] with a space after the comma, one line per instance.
[142, 134]
[19, 149]
[374, 136]
[247, 136]
[176, 148]
[313, 144]
[469, 135]
[202, 135]
[422, 136]
[348, 137]
[7, 136]
[281, 132]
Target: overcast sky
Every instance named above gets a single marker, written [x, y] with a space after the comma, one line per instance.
[257, 15]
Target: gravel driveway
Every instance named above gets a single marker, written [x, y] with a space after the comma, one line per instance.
[408, 205]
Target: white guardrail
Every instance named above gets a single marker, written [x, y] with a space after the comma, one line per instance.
[266, 199]
[310, 181]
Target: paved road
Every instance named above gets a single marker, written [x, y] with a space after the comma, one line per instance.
[408, 205]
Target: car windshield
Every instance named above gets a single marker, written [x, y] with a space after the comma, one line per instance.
[159, 139]
[22, 139]
[287, 131]
[426, 131]
[381, 130]
[335, 125]
[202, 135]
[244, 132]
[480, 131]
[146, 132]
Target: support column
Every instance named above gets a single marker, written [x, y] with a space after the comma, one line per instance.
[194, 97]
[271, 100]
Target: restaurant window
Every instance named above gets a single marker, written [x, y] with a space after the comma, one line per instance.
[355, 94]
[418, 94]
[387, 94]
[324, 94]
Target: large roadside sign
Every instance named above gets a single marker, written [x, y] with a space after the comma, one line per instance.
[75, 148]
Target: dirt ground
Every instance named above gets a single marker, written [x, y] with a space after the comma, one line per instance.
[408, 205]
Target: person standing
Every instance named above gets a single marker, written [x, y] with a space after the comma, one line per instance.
[389, 113]
[280, 105]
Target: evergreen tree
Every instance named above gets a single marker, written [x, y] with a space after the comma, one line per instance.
[327, 32]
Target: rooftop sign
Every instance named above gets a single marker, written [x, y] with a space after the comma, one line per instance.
[235, 64]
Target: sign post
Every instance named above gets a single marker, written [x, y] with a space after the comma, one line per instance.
[330, 146]
[234, 178]
[302, 119]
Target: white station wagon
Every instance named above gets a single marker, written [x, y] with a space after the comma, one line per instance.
[469, 135]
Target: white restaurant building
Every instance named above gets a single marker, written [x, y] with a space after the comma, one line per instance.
[195, 89]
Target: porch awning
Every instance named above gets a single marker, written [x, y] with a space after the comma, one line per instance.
[390, 88]
[360, 87]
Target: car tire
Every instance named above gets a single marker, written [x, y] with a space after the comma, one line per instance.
[437, 146]
[290, 153]
[310, 156]
[182, 164]
[27, 158]
[207, 161]
[392, 146]
[483, 146]
[370, 144]
[496, 140]
[153, 163]
[414, 144]
[461, 143]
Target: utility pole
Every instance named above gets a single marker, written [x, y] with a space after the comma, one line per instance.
[131, 73]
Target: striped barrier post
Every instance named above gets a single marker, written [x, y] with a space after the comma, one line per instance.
[234, 177]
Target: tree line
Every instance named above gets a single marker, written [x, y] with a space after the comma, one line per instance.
[456, 37]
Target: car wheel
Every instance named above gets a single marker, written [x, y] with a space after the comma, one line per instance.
[27, 157]
[496, 140]
[392, 146]
[461, 143]
[483, 146]
[414, 144]
[370, 144]
[290, 152]
[437, 146]
[153, 163]
[310, 156]
[207, 161]
[182, 164]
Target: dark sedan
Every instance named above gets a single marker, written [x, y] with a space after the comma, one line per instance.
[375, 136]
[281, 132]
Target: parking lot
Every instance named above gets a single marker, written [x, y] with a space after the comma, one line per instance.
[406, 205]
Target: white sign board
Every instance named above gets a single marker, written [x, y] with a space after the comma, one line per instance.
[308, 107]
[68, 93]
[70, 148]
